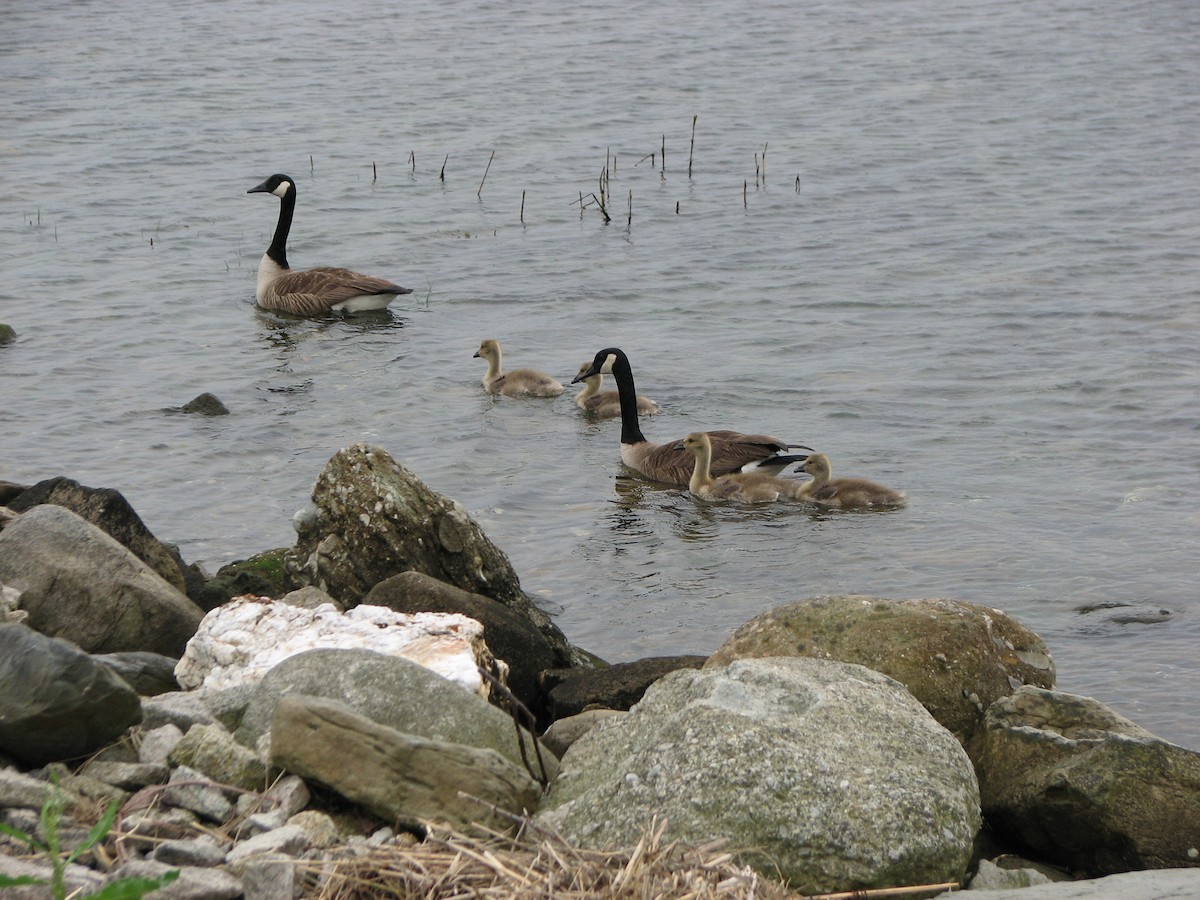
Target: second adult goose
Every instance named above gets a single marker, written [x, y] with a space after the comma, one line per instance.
[844, 493]
[606, 404]
[518, 382]
[311, 292]
[752, 487]
[670, 463]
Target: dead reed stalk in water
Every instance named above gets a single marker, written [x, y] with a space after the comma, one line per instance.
[374, 173]
[479, 193]
[522, 207]
[692, 146]
[442, 176]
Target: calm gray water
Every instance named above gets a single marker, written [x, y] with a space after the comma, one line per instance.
[967, 266]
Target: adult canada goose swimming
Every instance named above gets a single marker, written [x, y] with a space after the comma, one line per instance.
[518, 382]
[670, 463]
[751, 487]
[311, 292]
[606, 404]
[844, 493]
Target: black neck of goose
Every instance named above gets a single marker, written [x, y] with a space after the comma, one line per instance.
[631, 431]
[278, 249]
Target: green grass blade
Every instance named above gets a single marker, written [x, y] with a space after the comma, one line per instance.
[133, 888]
[21, 836]
[9, 881]
[97, 833]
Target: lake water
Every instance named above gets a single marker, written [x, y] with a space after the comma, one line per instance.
[952, 244]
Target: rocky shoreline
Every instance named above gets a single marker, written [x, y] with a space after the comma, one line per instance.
[833, 744]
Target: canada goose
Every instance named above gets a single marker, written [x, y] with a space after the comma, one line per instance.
[732, 451]
[752, 487]
[843, 493]
[311, 292]
[606, 404]
[518, 382]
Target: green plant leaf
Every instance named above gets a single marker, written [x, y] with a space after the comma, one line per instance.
[97, 833]
[9, 881]
[21, 836]
[133, 888]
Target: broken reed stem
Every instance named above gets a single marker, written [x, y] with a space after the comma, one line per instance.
[442, 176]
[664, 154]
[676, 207]
[581, 206]
[652, 156]
[797, 184]
[764, 163]
[629, 221]
[412, 155]
[692, 146]
[479, 193]
[603, 209]
[374, 173]
[744, 184]
[756, 170]
[522, 207]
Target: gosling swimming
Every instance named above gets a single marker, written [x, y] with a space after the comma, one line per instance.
[606, 404]
[844, 493]
[518, 382]
[745, 487]
[311, 292]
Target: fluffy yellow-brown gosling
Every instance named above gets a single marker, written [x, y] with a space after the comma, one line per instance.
[844, 493]
[518, 382]
[606, 404]
[745, 487]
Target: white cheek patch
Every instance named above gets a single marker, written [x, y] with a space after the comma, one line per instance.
[284, 187]
[606, 369]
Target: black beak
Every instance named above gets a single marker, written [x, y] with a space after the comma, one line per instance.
[260, 189]
[475, 355]
[582, 375]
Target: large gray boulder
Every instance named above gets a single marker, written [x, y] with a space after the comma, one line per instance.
[830, 772]
[56, 702]
[1085, 788]
[390, 691]
[80, 584]
[109, 511]
[955, 657]
[371, 518]
[397, 776]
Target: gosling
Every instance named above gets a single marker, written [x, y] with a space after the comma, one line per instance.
[745, 487]
[844, 493]
[518, 382]
[606, 404]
